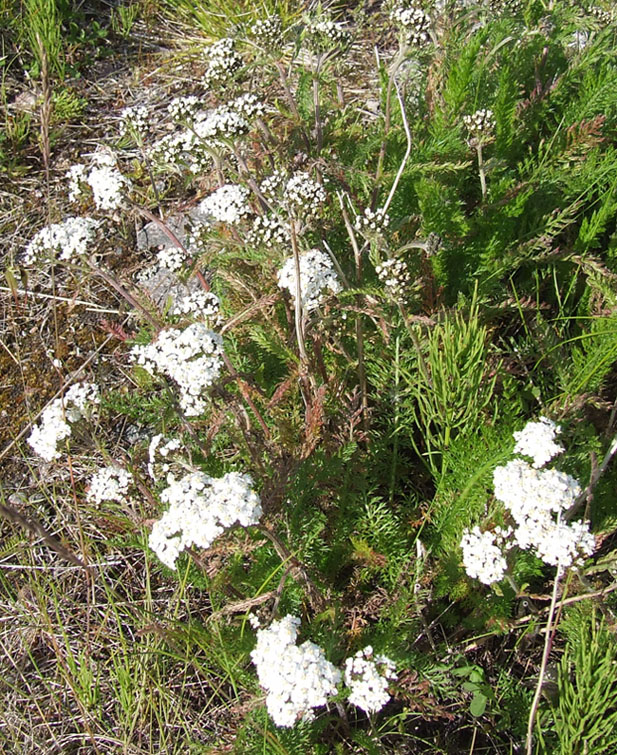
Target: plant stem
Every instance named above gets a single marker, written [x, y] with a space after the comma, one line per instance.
[481, 170]
[548, 642]
[318, 124]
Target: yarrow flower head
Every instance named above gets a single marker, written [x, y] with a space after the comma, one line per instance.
[268, 231]
[183, 109]
[480, 124]
[107, 184]
[228, 204]
[223, 124]
[162, 452]
[368, 676]
[134, 120]
[223, 61]
[192, 357]
[394, 274]
[537, 439]
[323, 34]
[55, 425]
[70, 239]
[414, 23]
[536, 499]
[110, 484]
[268, 33]
[304, 197]
[482, 554]
[200, 303]
[317, 276]
[249, 105]
[372, 222]
[200, 509]
[296, 678]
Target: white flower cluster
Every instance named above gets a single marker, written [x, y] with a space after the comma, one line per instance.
[324, 34]
[368, 677]
[183, 109]
[160, 454]
[76, 177]
[57, 418]
[108, 185]
[415, 25]
[224, 61]
[223, 123]
[296, 678]
[505, 6]
[483, 557]
[316, 277]
[249, 105]
[536, 499]
[202, 303]
[268, 33]
[537, 439]
[480, 124]
[228, 204]
[304, 196]
[70, 239]
[268, 231]
[171, 149]
[196, 237]
[603, 16]
[393, 273]
[172, 258]
[134, 119]
[271, 184]
[372, 222]
[200, 509]
[109, 484]
[191, 357]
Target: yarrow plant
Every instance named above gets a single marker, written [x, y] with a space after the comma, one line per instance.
[536, 499]
[200, 509]
[109, 187]
[297, 679]
[228, 204]
[223, 61]
[191, 357]
[304, 197]
[317, 277]
[368, 677]
[70, 239]
[57, 419]
[110, 484]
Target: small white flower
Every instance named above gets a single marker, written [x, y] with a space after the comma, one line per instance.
[268, 33]
[537, 439]
[191, 357]
[483, 557]
[56, 420]
[70, 239]
[107, 183]
[202, 303]
[109, 484]
[200, 509]
[134, 119]
[368, 678]
[297, 679]
[316, 277]
[480, 124]
[304, 197]
[223, 61]
[228, 204]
